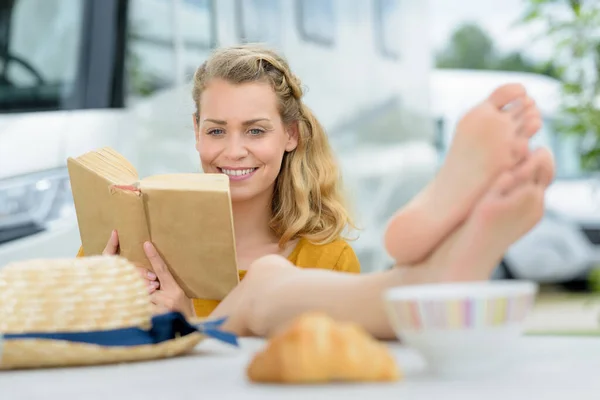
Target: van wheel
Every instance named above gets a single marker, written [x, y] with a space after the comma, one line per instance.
[577, 285]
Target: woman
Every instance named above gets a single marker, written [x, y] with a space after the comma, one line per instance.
[252, 125]
[511, 183]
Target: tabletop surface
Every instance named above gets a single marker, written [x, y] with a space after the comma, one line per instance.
[547, 368]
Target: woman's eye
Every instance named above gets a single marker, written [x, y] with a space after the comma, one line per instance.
[215, 132]
[256, 132]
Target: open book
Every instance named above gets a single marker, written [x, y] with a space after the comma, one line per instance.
[187, 216]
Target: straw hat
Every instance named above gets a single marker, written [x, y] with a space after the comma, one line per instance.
[52, 311]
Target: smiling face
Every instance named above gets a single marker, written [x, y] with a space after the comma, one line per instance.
[239, 132]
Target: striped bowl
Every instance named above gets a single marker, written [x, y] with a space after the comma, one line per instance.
[461, 327]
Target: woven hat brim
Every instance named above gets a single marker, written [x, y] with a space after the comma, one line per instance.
[41, 353]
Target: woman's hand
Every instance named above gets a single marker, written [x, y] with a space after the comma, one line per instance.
[165, 293]
[112, 248]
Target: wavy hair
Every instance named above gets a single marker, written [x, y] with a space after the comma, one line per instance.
[307, 200]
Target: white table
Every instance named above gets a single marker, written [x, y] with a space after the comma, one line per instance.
[551, 368]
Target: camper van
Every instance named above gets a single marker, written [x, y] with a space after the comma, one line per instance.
[76, 75]
[565, 244]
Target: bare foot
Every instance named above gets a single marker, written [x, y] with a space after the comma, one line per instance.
[509, 209]
[513, 204]
[491, 138]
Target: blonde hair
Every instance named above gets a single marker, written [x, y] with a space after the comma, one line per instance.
[307, 200]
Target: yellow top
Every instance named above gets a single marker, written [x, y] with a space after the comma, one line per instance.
[337, 256]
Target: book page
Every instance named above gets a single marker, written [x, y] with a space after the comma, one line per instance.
[109, 164]
[187, 181]
[129, 220]
[91, 176]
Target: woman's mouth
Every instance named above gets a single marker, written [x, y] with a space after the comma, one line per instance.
[238, 174]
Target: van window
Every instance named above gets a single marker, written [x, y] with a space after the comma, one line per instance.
[151, 48]
[199, 32]
[150, 58]
[439, 144]
[35, 74]
[196, 21]
[565, 149]
[388, 25]
[317, 21]
[259, 21]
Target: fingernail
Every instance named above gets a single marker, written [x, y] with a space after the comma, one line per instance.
[151, 275]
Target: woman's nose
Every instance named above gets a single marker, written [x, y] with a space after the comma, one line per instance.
[236, 147]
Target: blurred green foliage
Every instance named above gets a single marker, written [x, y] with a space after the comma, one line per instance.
[573, 26]
[470, 47]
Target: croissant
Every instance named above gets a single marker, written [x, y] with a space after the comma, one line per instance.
[316, 349]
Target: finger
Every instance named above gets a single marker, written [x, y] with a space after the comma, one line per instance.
[160, 268]
[156, 298]
[144, 273]
[153, 286]
[112, 247]
[160, 299]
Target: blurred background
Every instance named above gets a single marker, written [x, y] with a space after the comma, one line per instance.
[388, 78]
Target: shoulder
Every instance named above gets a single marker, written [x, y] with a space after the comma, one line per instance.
[336, 255]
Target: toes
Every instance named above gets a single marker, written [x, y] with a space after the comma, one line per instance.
[526, 170]
[529, 202]
[520, 108]
[529, 104]
[527, 116]
[545, 167]
[534, 198]
[504, 184]
[532, 122]
[516, 109]
[520, 149]
[537, 168]
[530, 127]
[506, 94]
[540, 168]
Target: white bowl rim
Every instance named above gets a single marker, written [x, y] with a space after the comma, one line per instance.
[458, 290]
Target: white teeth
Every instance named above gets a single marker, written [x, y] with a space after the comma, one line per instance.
[237, 172]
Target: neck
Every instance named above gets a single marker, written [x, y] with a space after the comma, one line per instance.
[251, 220]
